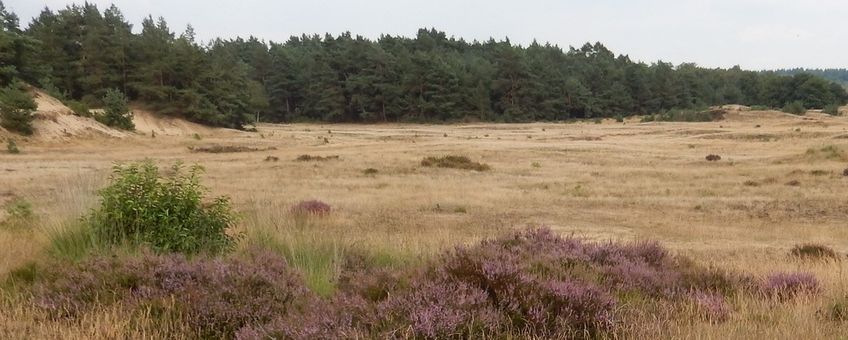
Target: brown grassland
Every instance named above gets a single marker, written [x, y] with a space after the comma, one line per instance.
[610, 181]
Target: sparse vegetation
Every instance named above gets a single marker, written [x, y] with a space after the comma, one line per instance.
[19, 214]
[831, 109]
[311, 207]
[454, 162]
[272, 159]
[370, 171]
[713, 158]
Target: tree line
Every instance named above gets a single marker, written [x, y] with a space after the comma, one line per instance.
[79, 53]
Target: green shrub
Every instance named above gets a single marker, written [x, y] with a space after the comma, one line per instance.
[141, 206]
[116, 111]
[619, 119]
[16, 108]
[79, 108]
[12, 147]
[679, 115]
[795, 108]
[831, 109]
[19, 213]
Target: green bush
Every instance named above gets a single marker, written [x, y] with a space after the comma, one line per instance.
[79, 108]
[831, 109]
[167, 214]
[20, 214]
[16, 108]
[12, 147]
[116, 111]
[795, 108]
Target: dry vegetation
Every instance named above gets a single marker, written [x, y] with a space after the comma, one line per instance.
[611, 181]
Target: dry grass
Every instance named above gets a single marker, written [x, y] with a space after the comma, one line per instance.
[627, 182]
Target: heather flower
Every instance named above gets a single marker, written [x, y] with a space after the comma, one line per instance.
[711, 306]
[311, 207]
[784, 286]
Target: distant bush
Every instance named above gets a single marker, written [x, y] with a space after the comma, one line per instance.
[619, 119]
[370, 171]
[832, 109]
[228, 149]
[795, 108]
[785, 286]
[216, 297]
[713, 158]
[455, 162]
[272, 159]
[12, 147]
[117, 112]
[760, 108]
[168, 214]
[311, 207]
[813, 251]
[16, 108]
[311, 158]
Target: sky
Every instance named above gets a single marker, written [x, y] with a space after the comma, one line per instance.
[754, 34]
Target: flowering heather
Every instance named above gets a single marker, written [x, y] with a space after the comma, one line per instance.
[217, 296]
[784, 286]
[711, 306]
[311, 207]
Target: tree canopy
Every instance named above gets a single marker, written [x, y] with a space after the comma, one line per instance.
[80, 52]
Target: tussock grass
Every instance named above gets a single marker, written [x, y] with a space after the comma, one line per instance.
[454, 162]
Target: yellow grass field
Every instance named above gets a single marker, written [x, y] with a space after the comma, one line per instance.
[779, 183]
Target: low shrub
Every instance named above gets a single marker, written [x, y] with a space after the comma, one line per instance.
[686, 115]
[311, 207]
[310, 158]
[370, 171]
[217, 297]
[272, 159]
[785, 286]
[168, 214]
[116, 111]
[795, 108]
[455, 162]
[832, 109]
[16, 108]
[79, 108]
[813, 251]
[713, 158]
[794, 183]
[12, 147]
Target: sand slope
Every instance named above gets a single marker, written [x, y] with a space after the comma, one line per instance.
[147, 122]
[55, 121]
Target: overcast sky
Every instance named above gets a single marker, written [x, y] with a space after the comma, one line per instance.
[755, 34]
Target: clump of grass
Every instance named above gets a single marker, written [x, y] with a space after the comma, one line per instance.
[794, 183]
[12, 147]
[311, 158]
[536, 165]
[813, 251]
[272, 159]
[751, 183]
[829, 152]
[837, 310]
[713, 158]
[370, 171]
[311, 207]
[228, 149]
[19, 214]
[197, 136]
[455, 162]
[819, 172]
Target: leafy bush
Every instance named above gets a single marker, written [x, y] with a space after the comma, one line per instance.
[168, 214]
[784, 286]
[455, 162]
[813, 251]
[217, 297]
[16, 108]
[831, 109]
[12, 147]
[795, 108]
[311, 207]
[116, 111]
